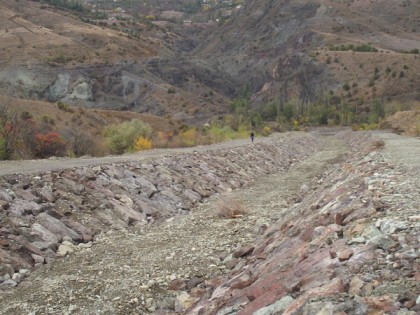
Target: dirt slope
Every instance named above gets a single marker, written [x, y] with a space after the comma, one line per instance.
[405, 123]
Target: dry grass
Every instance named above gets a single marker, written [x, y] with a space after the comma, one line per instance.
[406, 123]
[374, 145]
[231, 209]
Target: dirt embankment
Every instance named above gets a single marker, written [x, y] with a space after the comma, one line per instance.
[406, 123]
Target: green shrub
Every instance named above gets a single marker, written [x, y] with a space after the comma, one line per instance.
[360, 48]
[346, 86]
[64, 107]
[121, 138]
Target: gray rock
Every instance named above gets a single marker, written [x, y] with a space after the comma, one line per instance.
[320, 308]
[17, 277]
[277, 308]
[146, 187]
[46, 194]
[22, 207]
[392, 226]
[381, 241]
[371, 232]
[9, 283]
[192, 195]
[48, 238]
[5, 277]
[357, 240]
[64, 250]
[24, 272]
[6, 195]
[57, 227]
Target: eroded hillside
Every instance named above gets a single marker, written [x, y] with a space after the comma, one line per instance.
[281, 49]
[277, 50]
[51, 55]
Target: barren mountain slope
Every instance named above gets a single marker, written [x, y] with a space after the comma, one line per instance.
[51, 55]
[280, 48]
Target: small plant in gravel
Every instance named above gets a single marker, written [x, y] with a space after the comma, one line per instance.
[231, 209]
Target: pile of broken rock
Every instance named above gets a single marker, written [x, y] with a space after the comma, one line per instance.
[351, 246]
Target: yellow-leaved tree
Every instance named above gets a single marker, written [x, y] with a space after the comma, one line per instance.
[142, 144]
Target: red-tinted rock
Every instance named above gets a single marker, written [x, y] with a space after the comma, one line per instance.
[333, 287]
[177, 285]
[345, 254]
[243, 251]
[242, 281]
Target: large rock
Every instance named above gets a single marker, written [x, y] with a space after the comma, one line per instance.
[57, 227]
[277, 308]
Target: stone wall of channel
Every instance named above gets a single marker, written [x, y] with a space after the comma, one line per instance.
[349, 247]
[41, 212]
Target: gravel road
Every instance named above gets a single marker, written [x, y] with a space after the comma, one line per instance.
[52, 164]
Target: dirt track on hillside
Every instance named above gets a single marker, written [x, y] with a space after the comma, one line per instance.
[53, 164]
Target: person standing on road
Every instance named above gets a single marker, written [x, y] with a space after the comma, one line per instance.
[252, 136]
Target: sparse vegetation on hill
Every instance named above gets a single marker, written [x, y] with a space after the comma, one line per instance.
[190, 66]
[359, 48]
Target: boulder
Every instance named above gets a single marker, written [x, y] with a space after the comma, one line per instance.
[57, 227]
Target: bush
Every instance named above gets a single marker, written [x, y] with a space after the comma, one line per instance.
[231, 209]
[121, 138]
[189, 137]
[49, 144]
[360, 48]
[26, 115]
[266, 131]
[142, 144]
[346, 86]
[64, 107]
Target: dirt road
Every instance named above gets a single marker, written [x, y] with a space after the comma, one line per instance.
[52, 164]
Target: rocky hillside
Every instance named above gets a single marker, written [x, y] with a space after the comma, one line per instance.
[279, 50]
[51, 55]
[405, 122]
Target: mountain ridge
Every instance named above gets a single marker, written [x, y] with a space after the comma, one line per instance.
[278, 50]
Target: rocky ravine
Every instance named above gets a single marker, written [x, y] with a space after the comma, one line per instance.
[334, 234]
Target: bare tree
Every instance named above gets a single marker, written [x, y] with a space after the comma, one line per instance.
[10, 130]
[80, 142]
[16, 132]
